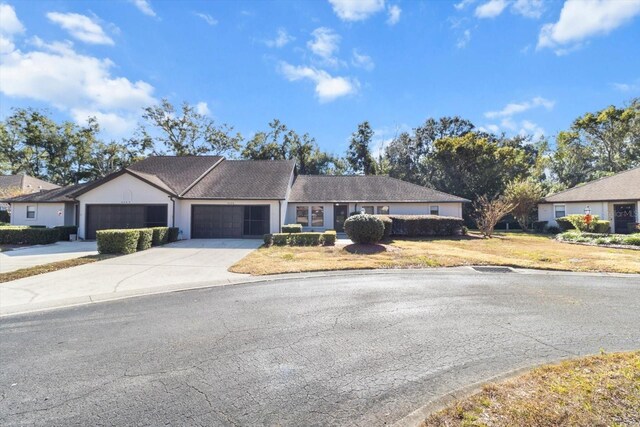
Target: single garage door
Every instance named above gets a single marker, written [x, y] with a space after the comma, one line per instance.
[104, 217]
[214, 221]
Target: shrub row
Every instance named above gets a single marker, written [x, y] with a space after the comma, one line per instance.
[388, 225]
[23, 235]
[425, 225]
[600, 239]
[127, 241]
[328, 238]
[577, 222]
[292, 228]
[66, 231]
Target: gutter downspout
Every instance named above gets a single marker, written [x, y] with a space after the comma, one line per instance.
[173, 211]
[279, 216]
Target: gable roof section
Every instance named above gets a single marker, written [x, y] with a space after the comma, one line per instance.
[245, 179]
[57, 195]
[177, 173]
[619, 187]
[25, 183]
[369, 188]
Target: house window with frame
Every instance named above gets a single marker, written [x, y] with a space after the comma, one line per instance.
[382, 210]
[302, 215]
[31, 212]
[434, 210]
[368, 210]
[559, 211]
[317, 216]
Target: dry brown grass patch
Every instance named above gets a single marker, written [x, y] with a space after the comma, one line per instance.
[47, 268]
[599, 390]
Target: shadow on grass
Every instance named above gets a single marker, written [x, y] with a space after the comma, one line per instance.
[365, 249]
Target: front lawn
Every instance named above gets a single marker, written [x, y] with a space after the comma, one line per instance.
[592, 391]
[48, 268]
[507, 249]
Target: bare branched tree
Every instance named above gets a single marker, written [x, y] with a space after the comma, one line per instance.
[488, 212]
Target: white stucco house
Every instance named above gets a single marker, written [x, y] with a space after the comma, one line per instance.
[211, 197]
[615, 198]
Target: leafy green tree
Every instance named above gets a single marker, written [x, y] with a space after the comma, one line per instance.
[524, 195]
[359, 153]
[184, 131]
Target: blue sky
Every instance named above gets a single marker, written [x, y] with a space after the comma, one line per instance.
[323, 66]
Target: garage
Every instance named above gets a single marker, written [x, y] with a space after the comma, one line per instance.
[104, 217]
[229, 221]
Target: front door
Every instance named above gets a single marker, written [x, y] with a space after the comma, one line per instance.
[340, 214]
[624, 214]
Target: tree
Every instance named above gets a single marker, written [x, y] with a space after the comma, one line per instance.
[186, 132]
[488, 212]
[524, 195]
[359, 154]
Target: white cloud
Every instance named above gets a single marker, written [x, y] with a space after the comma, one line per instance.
[517, 108]
[627, 87]
[9, 24]
[491, 9]
[207, 18]
[202, 108]
[464, 39]
[463, 4]
[79, 84]
[528, 8]
[282, 39]
[144, 6]
[356, 10]
[581, 19]
[394, 14]
[324, 44]
[362, 61]
[80, 27]
[530, 128]
[524, 127]
[328, 88]
[115, 124]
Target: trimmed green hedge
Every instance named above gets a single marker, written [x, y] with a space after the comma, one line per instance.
[117, 241]
[174, 233]
[292, 228]
[540, 226]
[329, 238]
[5, 217]
[23, 235]
[388, 225]
[66, 230]
[160, 235]
[145, 238]
[425, 225]
[364, 228]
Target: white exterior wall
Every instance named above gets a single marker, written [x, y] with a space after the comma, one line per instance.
[446, 209]
[124, 189]
[183, 212]
[604, 210]
[48, 214]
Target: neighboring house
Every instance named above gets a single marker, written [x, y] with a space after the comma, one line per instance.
[615, 198]
[210, 197]
[12, 185]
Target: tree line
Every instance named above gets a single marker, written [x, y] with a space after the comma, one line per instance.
[449, 153]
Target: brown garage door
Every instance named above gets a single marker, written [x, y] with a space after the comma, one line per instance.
[104, 217]
[214, 221]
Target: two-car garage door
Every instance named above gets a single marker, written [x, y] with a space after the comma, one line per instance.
[214, 221]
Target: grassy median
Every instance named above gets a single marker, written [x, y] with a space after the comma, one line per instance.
[599, 390]
[507, 249]
[48, 268]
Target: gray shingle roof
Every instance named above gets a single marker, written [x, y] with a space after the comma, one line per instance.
[618, 187]
[25, 183]
[177, 173]
[370, 188]
[63, 194]
[245, 179]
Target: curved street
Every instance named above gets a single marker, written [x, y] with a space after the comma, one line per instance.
[341, 350]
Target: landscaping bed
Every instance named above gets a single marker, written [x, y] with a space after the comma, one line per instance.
[591, 391]
[506, 249]
[623, 241]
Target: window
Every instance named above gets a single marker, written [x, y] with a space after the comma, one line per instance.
[434, 210]
[368, 209]
[317, 216]
[31, 212]
[302, 215]
[383, 210]
[560, 211]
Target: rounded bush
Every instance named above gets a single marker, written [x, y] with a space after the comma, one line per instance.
[364, 228]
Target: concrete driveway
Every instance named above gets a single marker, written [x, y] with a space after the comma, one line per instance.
[361, 350]
[160, 268]
[31, 256]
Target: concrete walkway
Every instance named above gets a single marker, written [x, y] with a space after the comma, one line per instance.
[31, 256]
[172, 266]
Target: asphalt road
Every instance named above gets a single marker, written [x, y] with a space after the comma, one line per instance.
[359, 350]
